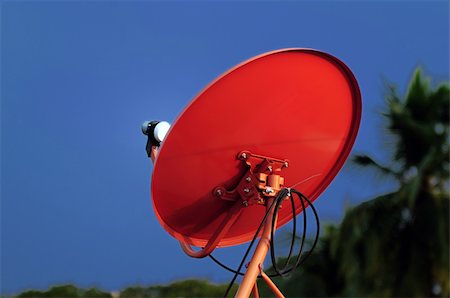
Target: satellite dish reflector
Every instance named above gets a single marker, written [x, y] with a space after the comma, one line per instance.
[293, 112]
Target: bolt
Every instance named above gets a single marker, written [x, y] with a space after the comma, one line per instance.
[245, 203]
[246, 190]
[248, 179]
[269, 168]
[218, 192]
[268, 190]
[244, 155]
[286, 165]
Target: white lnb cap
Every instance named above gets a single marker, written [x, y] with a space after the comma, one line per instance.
[161, 130]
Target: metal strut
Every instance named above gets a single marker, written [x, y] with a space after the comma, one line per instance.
[260, 184]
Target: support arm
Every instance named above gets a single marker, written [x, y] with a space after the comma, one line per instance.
[222, 230]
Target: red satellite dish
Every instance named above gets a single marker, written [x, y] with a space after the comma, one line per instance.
[301, 105]
[284, 119]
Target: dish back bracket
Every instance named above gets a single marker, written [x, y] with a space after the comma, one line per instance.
[262, 179]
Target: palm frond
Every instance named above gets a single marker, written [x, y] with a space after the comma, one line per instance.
[366, 161]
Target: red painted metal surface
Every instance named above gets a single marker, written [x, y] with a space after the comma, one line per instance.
[301, 105]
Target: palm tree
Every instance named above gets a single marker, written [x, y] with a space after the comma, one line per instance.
[398, 244]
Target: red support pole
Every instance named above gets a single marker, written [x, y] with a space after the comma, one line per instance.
[271, 285]
[255, 290]
[249, 281]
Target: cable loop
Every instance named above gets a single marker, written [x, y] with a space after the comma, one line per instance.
[275, 206]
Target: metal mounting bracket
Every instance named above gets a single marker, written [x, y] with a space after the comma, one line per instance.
[262, 179]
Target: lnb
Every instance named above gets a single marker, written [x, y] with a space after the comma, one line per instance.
[156, 132]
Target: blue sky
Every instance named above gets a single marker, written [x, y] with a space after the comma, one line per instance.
[78, 78]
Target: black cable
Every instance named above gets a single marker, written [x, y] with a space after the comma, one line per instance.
[316, 239]
[300, 261]
[271, 246]
[272, 236]
[290, 249]
[286, 269]
[224, 266]
[274, 262]
[281, 195]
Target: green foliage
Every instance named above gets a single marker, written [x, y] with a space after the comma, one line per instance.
[66, 291]
[387, 249]
[185, 288]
